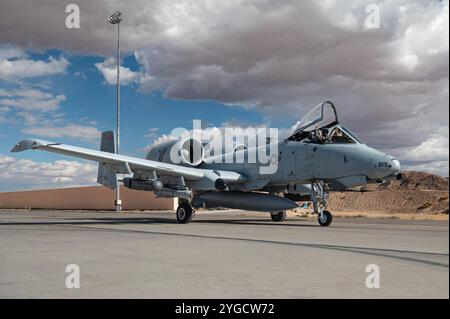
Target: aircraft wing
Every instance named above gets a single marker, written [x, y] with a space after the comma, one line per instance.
[128, 162]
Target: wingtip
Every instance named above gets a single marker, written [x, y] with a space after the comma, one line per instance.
[21, 146]
[26, 145]
[16, 148]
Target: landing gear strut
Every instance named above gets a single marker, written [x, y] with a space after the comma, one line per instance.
[319, 197]
[278, 216]
[185, 212]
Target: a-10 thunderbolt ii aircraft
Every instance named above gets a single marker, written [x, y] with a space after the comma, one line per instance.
[319, 156]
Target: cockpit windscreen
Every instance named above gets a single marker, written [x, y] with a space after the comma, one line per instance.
[321, 126]
[322, 115]
[339, 136]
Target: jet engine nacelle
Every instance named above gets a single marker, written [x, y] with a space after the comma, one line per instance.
[188, 152]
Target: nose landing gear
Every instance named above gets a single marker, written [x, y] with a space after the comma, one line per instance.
[325, 219]
[319, 197]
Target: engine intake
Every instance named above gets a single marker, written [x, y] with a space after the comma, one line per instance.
[188, 152]
[191, 152]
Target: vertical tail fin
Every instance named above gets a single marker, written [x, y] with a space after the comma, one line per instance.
[108, 142]
[106, 173]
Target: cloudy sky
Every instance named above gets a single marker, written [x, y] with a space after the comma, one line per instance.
[250, 62]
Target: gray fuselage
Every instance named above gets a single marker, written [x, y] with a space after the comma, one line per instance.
[302, 162]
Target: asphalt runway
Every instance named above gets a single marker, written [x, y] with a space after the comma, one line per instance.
[218, 255]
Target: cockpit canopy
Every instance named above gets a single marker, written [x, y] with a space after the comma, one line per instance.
[321, 126]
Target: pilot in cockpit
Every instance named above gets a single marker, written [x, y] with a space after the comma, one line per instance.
[319, 136]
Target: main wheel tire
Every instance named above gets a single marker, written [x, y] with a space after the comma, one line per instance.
[278, 216]
[185, 212]
[326, 219]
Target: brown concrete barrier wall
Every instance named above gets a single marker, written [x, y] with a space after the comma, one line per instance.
[90, 197]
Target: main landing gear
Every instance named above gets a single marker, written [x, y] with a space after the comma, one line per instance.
[278, 216]
[319, 198]
[185, 212]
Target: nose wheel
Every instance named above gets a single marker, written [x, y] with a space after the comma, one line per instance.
[325, 218]
[184, 213]
[319, 197]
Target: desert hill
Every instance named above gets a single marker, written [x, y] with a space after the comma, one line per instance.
[413, 181]
[416, 192]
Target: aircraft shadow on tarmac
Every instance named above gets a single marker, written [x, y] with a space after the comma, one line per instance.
[304, 222]
[153, 220]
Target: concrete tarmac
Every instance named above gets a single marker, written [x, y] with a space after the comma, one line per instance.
[218, 255]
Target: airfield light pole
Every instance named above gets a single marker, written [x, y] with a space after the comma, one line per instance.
[115, 18]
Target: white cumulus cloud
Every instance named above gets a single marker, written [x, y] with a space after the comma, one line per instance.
[25, 174]
[108, 69]
[73, 131]
[15, 65]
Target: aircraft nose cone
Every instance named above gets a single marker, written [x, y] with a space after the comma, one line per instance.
[395, 165]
